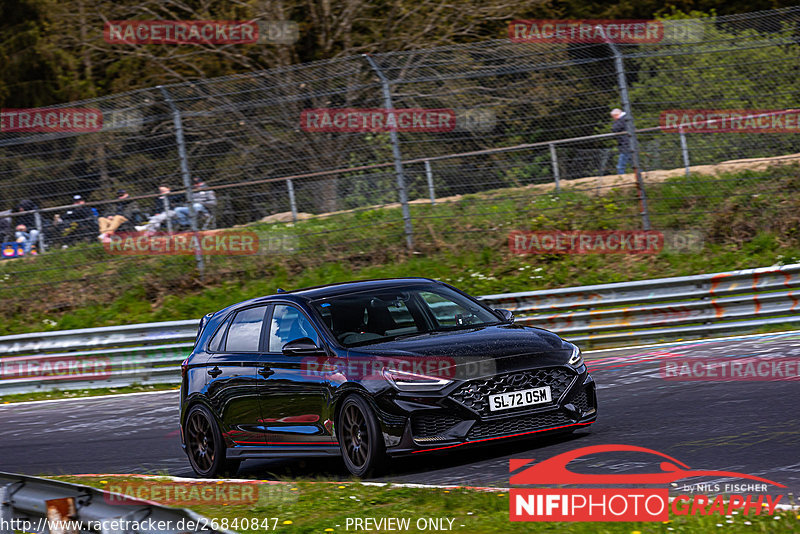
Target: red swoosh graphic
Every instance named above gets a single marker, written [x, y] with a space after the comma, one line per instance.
[554, 470]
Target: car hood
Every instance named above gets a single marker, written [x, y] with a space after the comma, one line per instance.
[500, 348]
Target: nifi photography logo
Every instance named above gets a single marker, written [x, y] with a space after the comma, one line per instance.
[632, 503]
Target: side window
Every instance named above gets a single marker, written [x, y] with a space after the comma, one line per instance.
[288, 323]
[445, 311]
[245, 330]
[215, 345]
[401, 317]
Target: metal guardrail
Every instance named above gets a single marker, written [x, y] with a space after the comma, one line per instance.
[27, 502]
[666, 309]
[113, 356]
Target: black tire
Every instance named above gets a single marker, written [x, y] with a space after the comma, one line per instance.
[360, 438]
[205, 446]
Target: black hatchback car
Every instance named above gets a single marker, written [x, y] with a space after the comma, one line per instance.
[372, 369]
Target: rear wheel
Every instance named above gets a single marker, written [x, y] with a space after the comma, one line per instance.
[360, 438]
[205, 446]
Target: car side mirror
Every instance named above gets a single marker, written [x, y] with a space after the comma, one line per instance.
[507, 315]
[303, 346]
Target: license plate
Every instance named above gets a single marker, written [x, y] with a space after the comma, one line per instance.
[516, 399]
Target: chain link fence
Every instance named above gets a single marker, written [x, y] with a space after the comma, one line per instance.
[531, 148]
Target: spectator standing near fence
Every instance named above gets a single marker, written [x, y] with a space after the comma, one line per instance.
[623, 141]
[205, 200]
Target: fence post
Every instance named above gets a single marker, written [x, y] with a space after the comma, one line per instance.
[398, 160]
[429, 175]
[292, 201]
[684, 150]
[187, 182]
[37, 218]
[165, 203]
[554, 160]
[631, 126]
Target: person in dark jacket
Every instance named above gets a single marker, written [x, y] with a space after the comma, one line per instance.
[122, 211]
[28, 219]
[623, 141]
[79, 221]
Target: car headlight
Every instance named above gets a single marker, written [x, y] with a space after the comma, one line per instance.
[412, 381]
[576, 358]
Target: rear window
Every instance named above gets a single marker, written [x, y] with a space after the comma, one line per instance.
[244, 334]
[215, 345]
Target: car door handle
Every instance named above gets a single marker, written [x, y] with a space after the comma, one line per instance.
[215, 372]
[265, 372]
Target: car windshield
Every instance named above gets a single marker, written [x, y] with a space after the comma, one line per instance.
[373, 316]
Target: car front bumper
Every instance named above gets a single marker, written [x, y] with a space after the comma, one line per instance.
[454, 420]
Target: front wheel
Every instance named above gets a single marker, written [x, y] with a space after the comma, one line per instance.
[360, 438]
[205, 446]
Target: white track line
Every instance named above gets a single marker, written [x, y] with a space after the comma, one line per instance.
[92, 397]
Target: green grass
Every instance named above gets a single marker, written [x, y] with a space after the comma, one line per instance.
[76, 393]
[749, 219]
[306, 506]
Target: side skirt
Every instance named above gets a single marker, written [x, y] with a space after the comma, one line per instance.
[282, 451]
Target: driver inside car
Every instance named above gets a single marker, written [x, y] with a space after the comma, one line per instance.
[287, 326]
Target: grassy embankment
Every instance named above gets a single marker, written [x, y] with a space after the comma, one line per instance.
[748, 219]
[326, 507]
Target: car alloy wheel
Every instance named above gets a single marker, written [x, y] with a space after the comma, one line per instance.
[359, 437]
[205, 446]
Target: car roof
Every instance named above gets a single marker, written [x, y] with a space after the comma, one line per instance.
[342, 288]
[329, 290]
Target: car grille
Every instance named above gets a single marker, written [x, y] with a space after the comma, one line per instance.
[517, 425]
[581, 401]
[432, 425]
[475, 393]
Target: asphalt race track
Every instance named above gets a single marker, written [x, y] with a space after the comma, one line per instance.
[746, 426]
